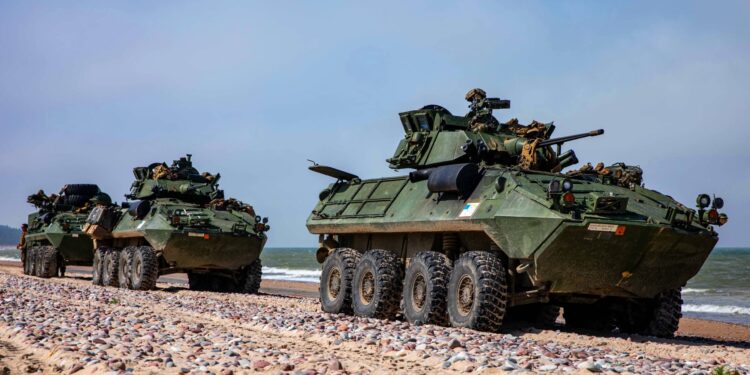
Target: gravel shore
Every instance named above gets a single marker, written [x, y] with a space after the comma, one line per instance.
[69, 326]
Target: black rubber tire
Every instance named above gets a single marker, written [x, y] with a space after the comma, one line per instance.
[38, 261]
[88, 190]
[76, 200]
[125, 267]
[427, 276]
[666, 314]
[96, 267]
[483, 274]
[336, 291]
[145, 269]
[386, 274]
[48, 259]
[110, 267]
[540, 315]
[252, 277]
[31, 260]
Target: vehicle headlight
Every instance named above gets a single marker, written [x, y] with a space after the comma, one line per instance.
[703, 200]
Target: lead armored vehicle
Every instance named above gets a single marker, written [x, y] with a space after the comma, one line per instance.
[55, 237]
[177, 220]
[486, 227]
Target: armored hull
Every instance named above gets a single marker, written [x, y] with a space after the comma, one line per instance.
[510, 210]
[487, 229]
[178, 221]
[55, 237]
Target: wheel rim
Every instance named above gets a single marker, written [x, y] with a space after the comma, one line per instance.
[465, 295]
[419, 292]
[334, 284]
[367, 288]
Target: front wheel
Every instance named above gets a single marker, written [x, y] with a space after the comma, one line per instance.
[48, 256]
[377, 285]
[336, 281]
[145, 269]
[252, 277]
[666, 314]
[477, 292]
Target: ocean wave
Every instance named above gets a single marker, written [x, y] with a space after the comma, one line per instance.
[8, 259]
[717, 309]
[277, 273]
[695, 290]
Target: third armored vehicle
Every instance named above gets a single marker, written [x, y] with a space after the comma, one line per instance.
[486, 225]
[177, 220]
[55, 237]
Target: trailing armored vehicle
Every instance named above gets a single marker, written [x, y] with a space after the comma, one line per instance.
[55, 237]
[487, 227]
[177, 220]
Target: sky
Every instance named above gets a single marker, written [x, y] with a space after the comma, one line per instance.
[89, 90]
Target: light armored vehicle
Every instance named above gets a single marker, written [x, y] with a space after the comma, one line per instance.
[55, 237]
[177, 220]
[486, 227]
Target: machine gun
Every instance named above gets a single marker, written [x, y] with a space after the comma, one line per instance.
[530, 157]
[560, 140]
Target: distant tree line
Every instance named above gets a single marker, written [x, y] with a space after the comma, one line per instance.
[8, 235]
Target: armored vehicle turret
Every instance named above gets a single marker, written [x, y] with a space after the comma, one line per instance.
[55, 237]
[177, 219]
[486, 227]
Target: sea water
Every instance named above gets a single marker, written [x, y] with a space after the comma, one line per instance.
[720, 291]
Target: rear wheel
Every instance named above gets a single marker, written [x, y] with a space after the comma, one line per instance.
[426, 288]
[110, 267]
[377, 285]
[336, 281]
[96, 268]
[124, 267]
[252, 277]
[477, 292]
[145, 269]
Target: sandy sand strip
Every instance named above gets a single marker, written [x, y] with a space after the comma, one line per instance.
[64, 325]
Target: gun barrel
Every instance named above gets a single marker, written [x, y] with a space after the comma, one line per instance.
[561, 140]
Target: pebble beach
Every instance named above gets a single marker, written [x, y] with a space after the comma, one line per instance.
[70, 326]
